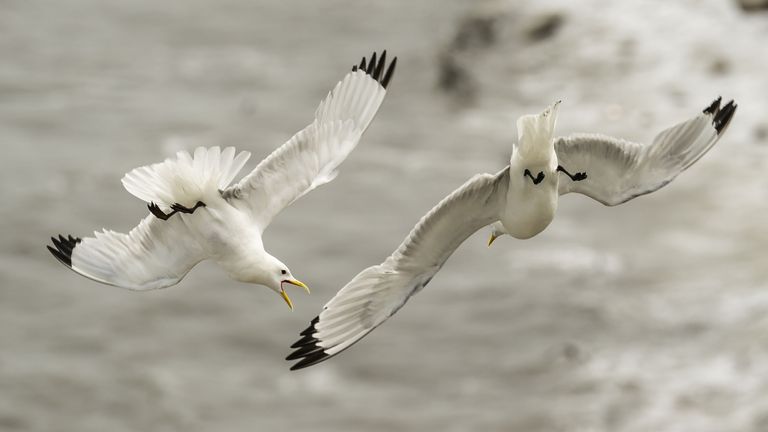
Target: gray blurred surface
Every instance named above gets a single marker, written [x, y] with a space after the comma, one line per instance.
[650, 316]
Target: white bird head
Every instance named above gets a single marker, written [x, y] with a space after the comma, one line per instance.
[534, 135]
[274, 274]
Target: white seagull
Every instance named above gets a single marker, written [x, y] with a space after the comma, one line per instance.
[197, 215]
[522, 198]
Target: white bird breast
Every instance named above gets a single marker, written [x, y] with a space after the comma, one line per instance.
[530, 208]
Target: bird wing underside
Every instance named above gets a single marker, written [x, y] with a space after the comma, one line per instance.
[311, 157]
[155, 254]
[378, 292]
[618, 170]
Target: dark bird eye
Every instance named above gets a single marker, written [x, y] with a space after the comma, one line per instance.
[283, 272]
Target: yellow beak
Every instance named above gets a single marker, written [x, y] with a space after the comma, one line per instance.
[286, 298]
[297, 283]
[491, 239]
[284, 295]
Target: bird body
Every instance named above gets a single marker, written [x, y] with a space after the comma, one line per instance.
[196, 214]
[225, 233]
[520, 200]
[540, 200]
[232, 240]
[534, 153]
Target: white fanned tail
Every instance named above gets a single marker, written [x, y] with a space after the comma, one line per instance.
[185, 179]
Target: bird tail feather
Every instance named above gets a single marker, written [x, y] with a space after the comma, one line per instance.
[186, 178]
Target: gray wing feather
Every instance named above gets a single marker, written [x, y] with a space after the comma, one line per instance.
[378, 292]
[155, 254]
[312, 156]
[618, 170]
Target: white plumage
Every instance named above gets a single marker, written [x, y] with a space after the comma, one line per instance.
[185, 179]
[197, 215]
[522, 199]
[620, 170]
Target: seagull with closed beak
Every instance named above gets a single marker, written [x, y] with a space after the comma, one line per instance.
[520, 200]
[195, 214]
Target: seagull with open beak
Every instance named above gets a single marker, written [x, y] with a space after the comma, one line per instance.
[195, 214]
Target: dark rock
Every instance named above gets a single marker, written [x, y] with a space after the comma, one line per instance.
[475, 32]
[574, 353]
[454, 78]
[753, 5]
[545, 26]
[720, 66]
[761, 133]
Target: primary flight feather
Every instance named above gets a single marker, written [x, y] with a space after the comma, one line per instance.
[195, 214]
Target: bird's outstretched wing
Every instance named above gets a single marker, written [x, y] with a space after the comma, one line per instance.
[155, 254]
[310, 158]
[378, 292]
[619, 170]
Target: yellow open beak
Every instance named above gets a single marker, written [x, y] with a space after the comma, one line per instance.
[297, 283]
[286, 298]
[284, 295]
[491, 239]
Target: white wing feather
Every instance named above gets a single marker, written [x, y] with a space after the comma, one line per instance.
[619, 170]
[378, 292]
[310, 158]
[158, 253]
[155, 254]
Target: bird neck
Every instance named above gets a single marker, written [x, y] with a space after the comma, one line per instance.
[244, 258]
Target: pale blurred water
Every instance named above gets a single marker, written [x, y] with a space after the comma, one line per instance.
[647, 316]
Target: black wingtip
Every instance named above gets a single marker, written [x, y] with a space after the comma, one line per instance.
[371, 64]
[311, 328]
[305, 351]
[377, 68]
[64, 248]
[307, 348]
[723, 117]
[306, 340]
[310, 360]
[388, 74]
[714, 107]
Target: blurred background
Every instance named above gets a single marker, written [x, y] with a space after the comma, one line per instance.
[650, 316]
